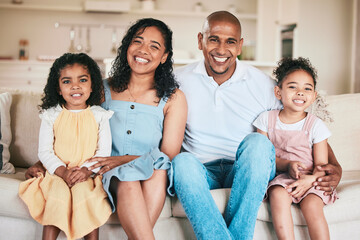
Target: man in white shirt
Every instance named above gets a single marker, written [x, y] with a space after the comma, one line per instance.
[224, 97]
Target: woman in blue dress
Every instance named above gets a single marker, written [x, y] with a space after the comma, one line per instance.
[147, 126]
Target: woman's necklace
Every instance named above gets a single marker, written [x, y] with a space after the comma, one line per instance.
[133, 99]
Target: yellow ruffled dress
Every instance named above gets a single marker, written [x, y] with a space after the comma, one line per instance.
[78, 210]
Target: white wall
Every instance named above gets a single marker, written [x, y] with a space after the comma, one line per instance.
[38, 26]
[324, 31]
[324, 35]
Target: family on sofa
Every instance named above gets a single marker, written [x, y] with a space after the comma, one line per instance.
[150, 115]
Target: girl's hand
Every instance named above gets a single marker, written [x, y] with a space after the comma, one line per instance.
[108, 163]
[301, 186]
[294, 168]
[65, 174]
[80, 175]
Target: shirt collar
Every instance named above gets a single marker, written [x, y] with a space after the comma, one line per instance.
[238, 75]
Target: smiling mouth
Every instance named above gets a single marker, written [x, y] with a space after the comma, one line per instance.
[299, 101]
[141, 60]
[220, 59]
[76, 95]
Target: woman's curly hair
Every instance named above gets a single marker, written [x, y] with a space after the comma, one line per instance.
[165, 83]
[287, 66]
[51, 91]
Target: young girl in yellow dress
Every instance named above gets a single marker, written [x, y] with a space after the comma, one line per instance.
[73, 129]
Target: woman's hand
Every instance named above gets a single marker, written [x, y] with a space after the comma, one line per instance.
[294, 168]
[329, 182]
[108, 163]
[34, 170]
[301, 186]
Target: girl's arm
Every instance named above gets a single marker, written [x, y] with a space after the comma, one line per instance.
[320, 151]
[284, 165]
[46, 152]
[333, 172]
[103, 148]
[174, 124]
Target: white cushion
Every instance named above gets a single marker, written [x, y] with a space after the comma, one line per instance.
[5, 133]
[341, 211]
[345, 129]
[25, 125]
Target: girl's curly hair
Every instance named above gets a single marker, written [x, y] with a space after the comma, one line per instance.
[165, 83]
[51, 91]
[289, 65]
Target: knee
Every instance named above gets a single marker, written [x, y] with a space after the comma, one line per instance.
[256, 146]
[256, 142]
[256, 152]
[186, 168]
[183, 161]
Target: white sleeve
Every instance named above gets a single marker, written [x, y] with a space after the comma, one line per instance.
[320, 132]
[262, 121]
[46, 152]
[103, 148]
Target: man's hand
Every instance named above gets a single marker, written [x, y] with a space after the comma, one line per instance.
[330, 181]
[34, 170]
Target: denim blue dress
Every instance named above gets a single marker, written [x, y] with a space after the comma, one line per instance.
[136, 129]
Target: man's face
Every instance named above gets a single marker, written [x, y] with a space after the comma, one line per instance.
[221, 43]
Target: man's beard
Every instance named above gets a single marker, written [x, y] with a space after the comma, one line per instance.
[219, 73]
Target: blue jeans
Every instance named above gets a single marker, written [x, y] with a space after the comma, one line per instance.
[248, 176]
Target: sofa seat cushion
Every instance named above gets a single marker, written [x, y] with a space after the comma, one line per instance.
[341, 211]
[14, 207]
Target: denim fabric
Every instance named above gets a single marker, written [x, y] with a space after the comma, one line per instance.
[248, 177]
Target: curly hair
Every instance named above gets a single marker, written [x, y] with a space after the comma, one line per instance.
[287, 66]
[51, 91]
[165, 83]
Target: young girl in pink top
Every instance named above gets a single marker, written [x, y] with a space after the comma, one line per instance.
[300, 141]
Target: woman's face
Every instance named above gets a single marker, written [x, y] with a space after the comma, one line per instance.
[146, 51]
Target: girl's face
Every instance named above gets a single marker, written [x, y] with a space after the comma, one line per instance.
[297, 91]
[146, 51]
[75, 86]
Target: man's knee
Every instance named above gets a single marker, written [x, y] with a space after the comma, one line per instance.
[187, 168]
[256, 152]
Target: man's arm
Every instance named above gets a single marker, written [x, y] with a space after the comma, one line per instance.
[333, 173]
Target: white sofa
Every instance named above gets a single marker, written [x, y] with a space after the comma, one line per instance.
[343, 217]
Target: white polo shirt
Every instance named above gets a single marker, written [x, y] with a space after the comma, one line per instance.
[219, 117]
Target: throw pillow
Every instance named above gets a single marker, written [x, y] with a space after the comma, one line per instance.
[5, 133]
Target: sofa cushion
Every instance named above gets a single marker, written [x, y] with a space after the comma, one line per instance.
[345, 129]
[341, 211]
[9, 185]
[5, 134]
[25, 125]
[15, 207]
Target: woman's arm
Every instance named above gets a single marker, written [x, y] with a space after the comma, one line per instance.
[34, 170]
[175, 113]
